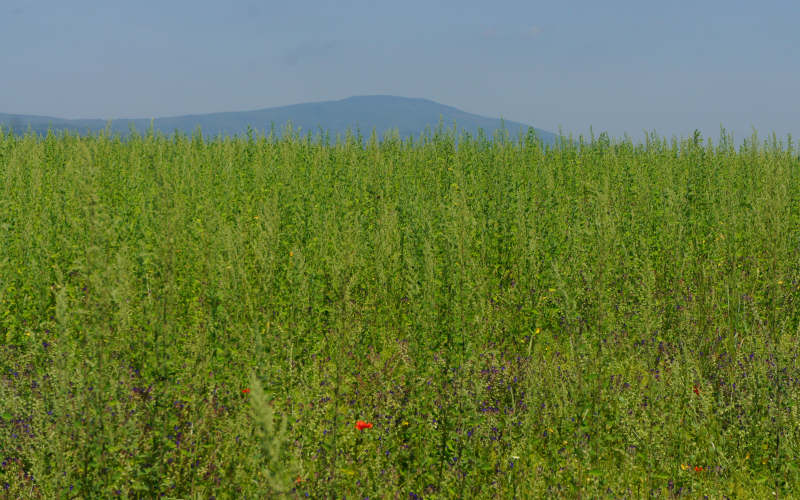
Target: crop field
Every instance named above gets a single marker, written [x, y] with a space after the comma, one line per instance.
[262, 317]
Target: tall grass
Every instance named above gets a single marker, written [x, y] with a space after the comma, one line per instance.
[192, 317]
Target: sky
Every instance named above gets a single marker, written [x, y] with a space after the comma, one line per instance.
[624, 67]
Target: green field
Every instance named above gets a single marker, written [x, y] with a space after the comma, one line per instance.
[191, 317]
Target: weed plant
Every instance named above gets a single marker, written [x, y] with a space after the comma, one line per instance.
[190, 317]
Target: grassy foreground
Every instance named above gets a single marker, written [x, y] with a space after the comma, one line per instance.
[193, 318]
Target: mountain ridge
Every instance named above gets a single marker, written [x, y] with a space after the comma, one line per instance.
[408, 115]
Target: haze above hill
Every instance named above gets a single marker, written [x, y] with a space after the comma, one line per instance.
[409, 116]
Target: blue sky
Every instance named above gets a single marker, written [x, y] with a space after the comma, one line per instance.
[619, 66]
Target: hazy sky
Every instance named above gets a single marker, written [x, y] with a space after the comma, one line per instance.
[620, 66]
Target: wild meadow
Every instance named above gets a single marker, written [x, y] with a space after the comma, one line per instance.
[448, 317]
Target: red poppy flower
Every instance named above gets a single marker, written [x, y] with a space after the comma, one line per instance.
[298, 480]
[697, 468]
[361, 425]
[245, 391]
[696, 390]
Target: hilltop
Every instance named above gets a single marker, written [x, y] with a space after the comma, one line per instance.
[409, 116]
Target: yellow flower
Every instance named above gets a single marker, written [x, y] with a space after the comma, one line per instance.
[291, 254]
[538, 330]
[551, 290]
[684, 467]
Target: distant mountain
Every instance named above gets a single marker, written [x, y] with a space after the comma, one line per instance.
[382, 113]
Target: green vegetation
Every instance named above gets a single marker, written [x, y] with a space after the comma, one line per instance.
[203, 318]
